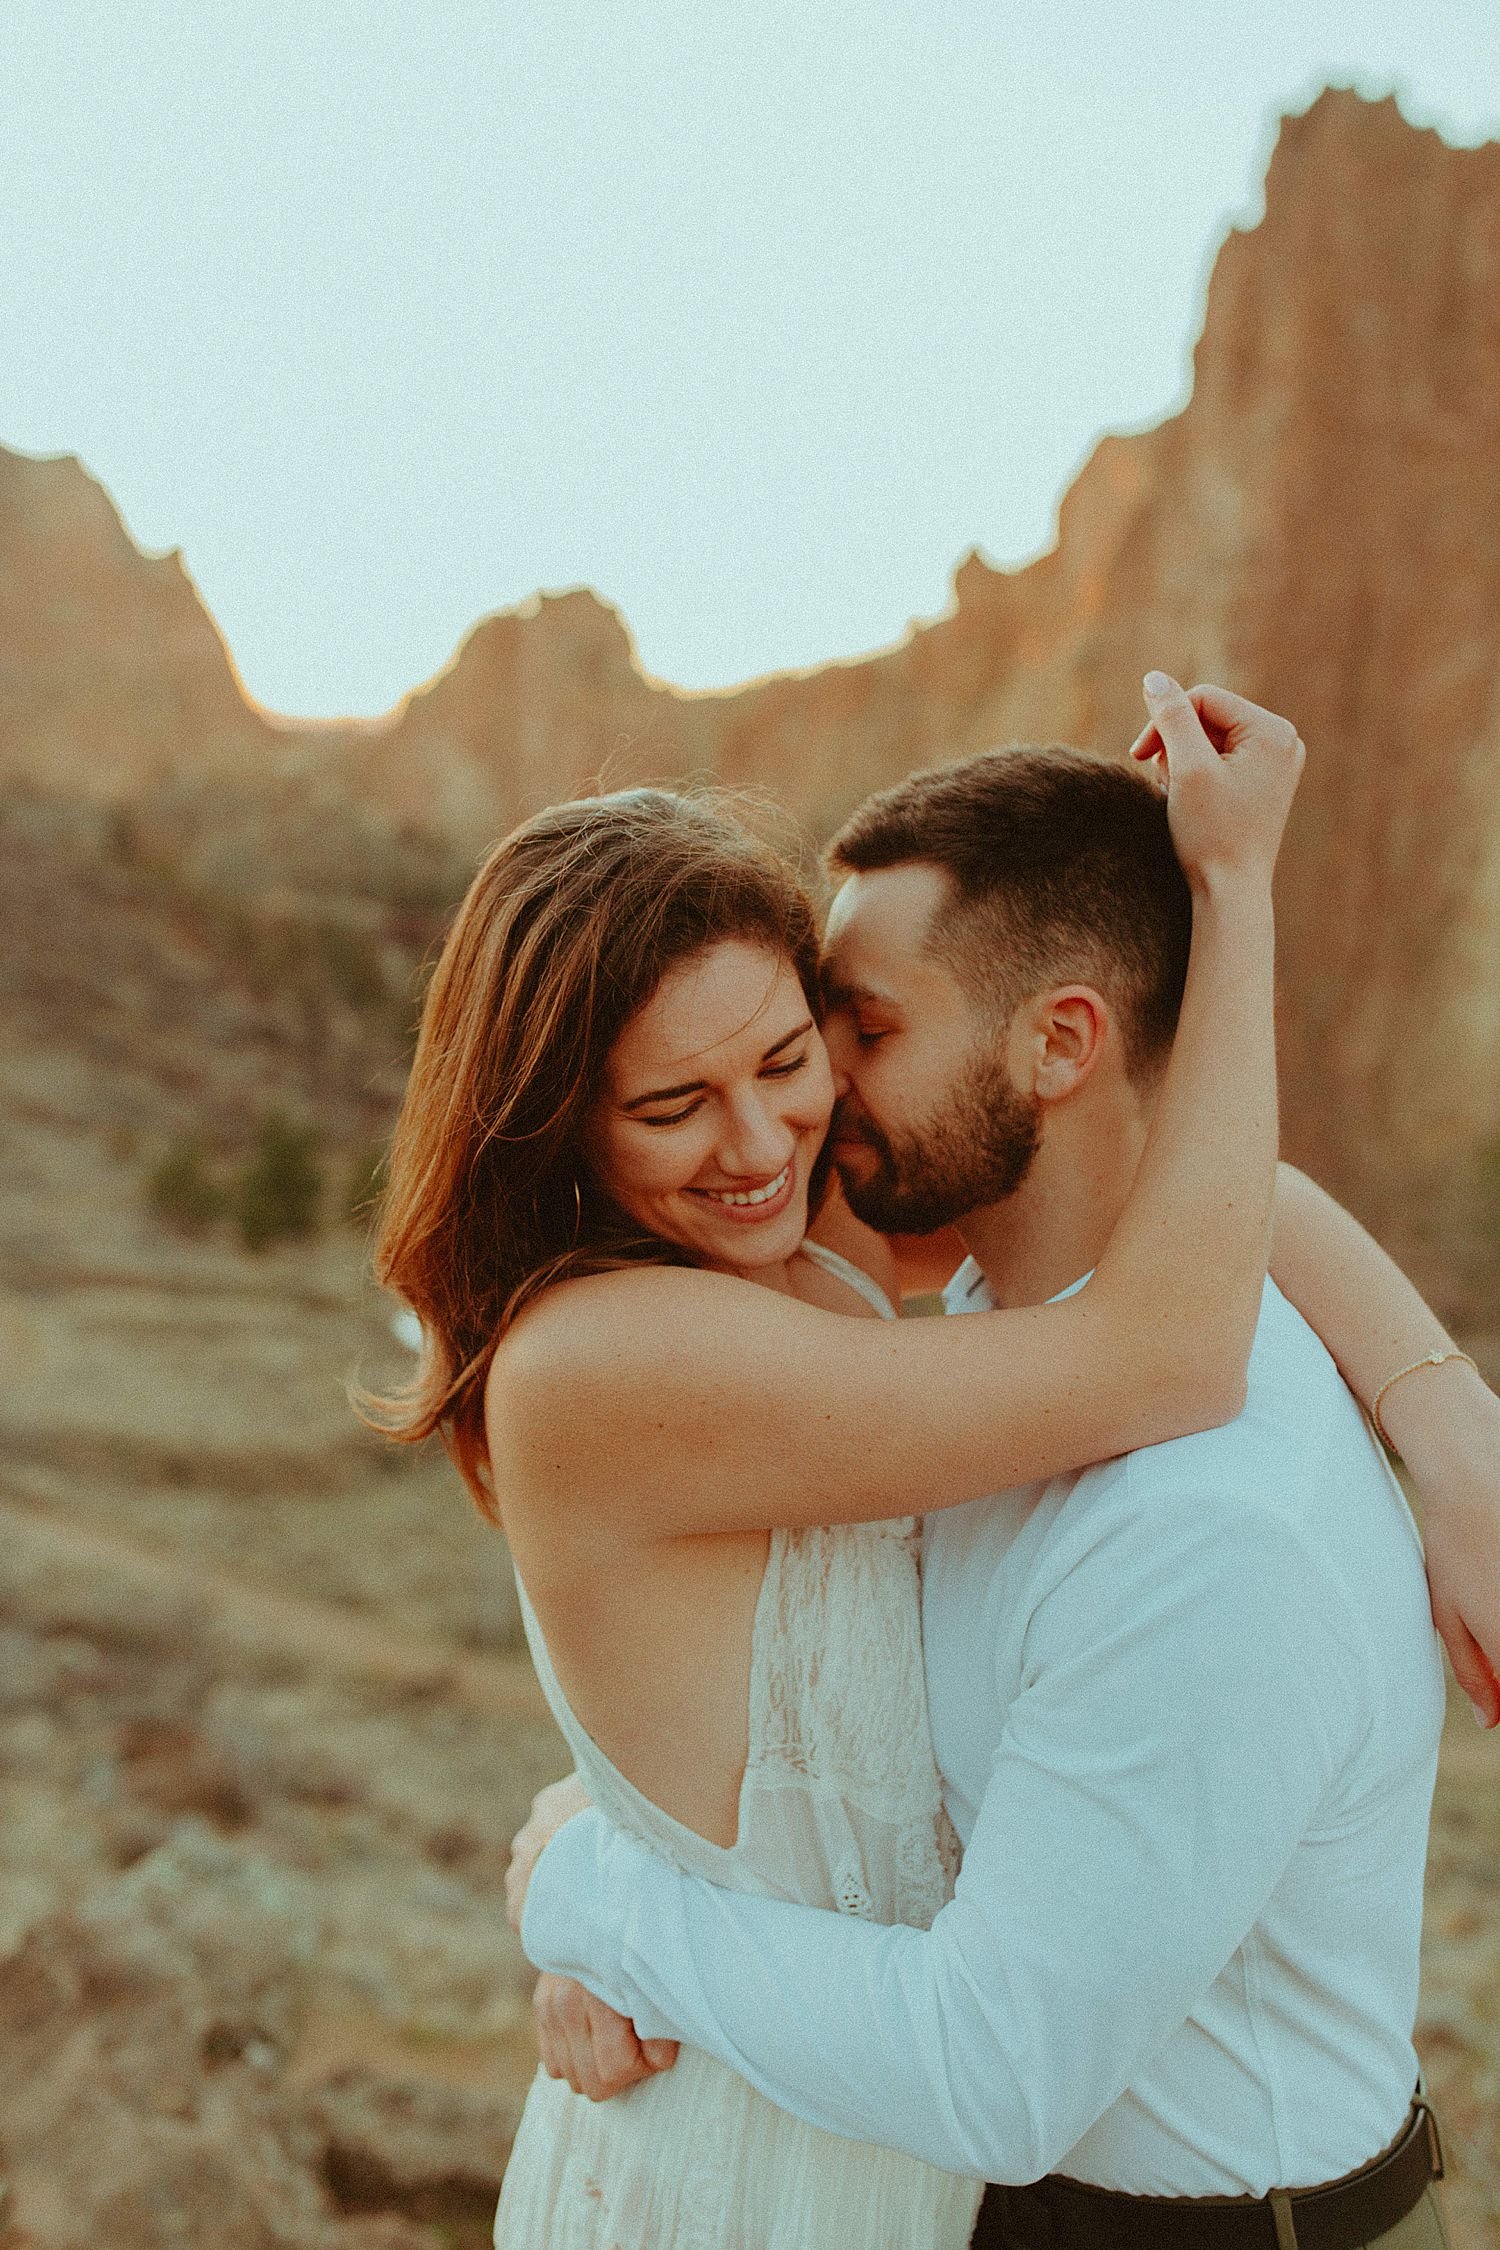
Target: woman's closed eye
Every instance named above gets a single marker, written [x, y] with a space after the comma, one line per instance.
[772, 1070]
[678, 1116]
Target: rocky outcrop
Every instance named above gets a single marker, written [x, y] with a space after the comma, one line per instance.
[146, 2035]
[114, 674]
[539, 703]
[1321, 527]
[118, 696]
[256, 1985]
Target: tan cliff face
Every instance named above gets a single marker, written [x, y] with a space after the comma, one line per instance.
[114, 672]
[1319, 527]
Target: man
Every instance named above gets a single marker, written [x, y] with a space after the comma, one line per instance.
[1186, 1704]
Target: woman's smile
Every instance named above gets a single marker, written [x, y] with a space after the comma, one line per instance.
[766, 1201]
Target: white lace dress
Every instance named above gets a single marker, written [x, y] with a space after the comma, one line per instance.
[840, 1807]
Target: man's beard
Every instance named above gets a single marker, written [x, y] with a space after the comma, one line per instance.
[977, 1150]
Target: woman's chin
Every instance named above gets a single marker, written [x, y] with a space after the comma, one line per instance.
[780, 1242]
[748, 1245]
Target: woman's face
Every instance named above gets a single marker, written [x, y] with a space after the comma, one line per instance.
[717, 1098]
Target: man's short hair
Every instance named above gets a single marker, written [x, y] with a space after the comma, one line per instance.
[1062, 871]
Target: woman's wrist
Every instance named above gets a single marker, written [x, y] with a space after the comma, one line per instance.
[1230, 888]
[1438, 1418]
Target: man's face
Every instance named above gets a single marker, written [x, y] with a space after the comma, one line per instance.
[933, 1125]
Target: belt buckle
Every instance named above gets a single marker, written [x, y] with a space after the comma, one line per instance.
[1283, 2218]
[1434, 2137]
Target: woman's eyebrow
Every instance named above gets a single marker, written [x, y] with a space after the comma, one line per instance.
[696, 1085]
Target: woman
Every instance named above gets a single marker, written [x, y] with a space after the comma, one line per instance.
[623, 1024]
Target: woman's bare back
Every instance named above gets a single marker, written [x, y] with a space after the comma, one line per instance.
[651, 1636]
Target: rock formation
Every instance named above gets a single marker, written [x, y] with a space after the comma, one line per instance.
[1319, 527]
[114, 672]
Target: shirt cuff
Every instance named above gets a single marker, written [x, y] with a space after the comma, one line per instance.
[577, 1914]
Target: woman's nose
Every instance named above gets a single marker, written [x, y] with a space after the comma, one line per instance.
[758, 1140]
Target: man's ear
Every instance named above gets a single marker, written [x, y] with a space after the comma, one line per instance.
[1057, 1039]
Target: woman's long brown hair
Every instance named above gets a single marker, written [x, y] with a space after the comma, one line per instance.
[566, 932]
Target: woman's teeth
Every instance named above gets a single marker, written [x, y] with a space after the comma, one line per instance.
[754, 1195]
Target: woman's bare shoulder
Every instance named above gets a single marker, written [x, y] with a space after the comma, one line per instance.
[611, 1368]
[603, 1329]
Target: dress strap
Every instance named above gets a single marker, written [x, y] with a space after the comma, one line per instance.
[854, 1277]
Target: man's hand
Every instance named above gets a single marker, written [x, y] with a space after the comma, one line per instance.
[550, 1807]
[581, 2039]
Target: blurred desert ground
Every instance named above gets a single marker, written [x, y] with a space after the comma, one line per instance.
[265, 1724]
[263, 1740]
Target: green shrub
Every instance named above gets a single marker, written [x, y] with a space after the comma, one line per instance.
[280, 1189]
[182, 1191]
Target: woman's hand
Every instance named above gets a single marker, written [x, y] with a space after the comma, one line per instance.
[550, 1807]
[583, 2040]
[1230, 770]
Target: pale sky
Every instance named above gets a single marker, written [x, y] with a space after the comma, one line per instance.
[753, 314]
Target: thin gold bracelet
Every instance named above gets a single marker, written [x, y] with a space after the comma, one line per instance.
[1429, 1359]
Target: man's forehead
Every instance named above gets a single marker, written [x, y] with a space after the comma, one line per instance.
[879, 922]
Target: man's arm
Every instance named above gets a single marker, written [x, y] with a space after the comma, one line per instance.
[1184, 1708]
[597, 2050]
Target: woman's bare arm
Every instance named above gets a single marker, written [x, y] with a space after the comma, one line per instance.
[1444, 1421]
[679, 1402]
[1361, 1304]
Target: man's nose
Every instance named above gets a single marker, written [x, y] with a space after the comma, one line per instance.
[839, 1041]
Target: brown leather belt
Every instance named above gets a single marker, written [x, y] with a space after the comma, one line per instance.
[1062, 2214]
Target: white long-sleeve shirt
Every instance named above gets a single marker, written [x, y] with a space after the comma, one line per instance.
[1186, 1706]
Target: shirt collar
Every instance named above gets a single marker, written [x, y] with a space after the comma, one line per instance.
[968, 1291]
